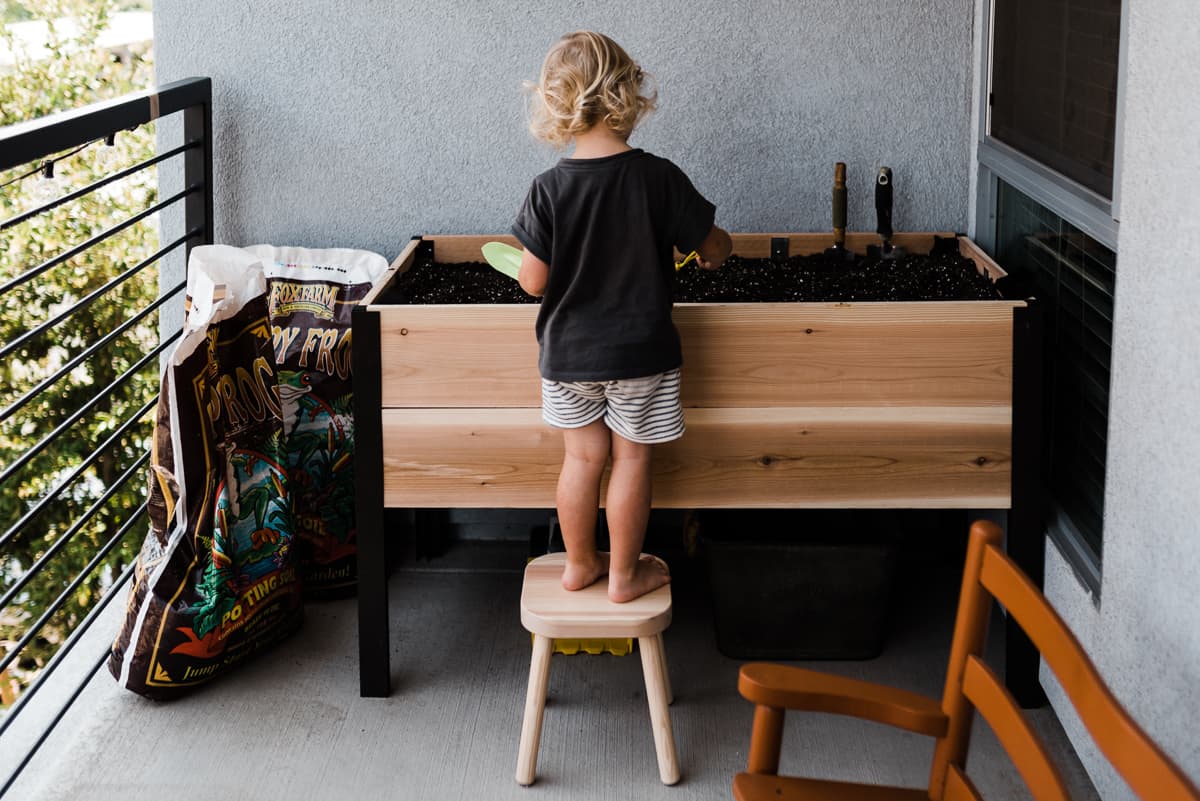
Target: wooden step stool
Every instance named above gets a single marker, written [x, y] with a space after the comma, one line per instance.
[549, 611]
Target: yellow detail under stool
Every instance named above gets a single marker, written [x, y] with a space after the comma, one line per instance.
[617, 646]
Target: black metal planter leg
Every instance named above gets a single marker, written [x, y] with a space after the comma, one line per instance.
[374, 667]
[1026, 523]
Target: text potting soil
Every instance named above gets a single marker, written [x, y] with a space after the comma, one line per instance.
[217, 576]
[310, 297]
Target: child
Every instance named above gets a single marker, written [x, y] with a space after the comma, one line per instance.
[598, 230]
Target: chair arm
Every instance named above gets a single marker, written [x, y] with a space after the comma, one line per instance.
[787, 687]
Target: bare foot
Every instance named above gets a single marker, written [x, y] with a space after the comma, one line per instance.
[649, 574]
[577, 575]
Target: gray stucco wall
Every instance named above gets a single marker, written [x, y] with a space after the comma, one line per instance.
[362, 123]
[1145, 633]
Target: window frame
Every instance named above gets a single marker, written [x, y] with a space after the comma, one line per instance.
[1096, 216]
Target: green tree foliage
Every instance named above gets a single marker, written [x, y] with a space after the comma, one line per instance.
[72, 73]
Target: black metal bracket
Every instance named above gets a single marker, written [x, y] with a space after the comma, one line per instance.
[425, 249]
[779, 249]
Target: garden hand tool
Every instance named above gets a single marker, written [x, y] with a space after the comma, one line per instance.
[839, 252]
[883, 214]
[689, 257]
[502, 257]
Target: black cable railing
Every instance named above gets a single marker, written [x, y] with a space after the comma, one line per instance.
[91, 351]
[92, 187]
[57, 717]
[87, 300]
[83, 574]
[79, 470]
[65, 426]
[60, 543]
[65, 649]
[66, 256]
[91, 493]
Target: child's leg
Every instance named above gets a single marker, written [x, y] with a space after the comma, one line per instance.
[578, 499]
[628, 510]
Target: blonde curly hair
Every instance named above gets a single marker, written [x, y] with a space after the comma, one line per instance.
[587, 79]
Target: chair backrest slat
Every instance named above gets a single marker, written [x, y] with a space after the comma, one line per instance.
[970, 631]
[959, 787]
[1023, 745]
[1148, 771]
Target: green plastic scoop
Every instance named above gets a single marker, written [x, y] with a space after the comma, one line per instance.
[502, 257]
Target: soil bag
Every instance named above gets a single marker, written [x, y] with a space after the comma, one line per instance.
[217, 577]
[311, 295]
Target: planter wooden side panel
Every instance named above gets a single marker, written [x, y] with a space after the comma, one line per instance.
[459, 356]
[736, 355]
[948, 457]
[746, 355]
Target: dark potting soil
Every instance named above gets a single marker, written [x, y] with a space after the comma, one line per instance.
[943, 274]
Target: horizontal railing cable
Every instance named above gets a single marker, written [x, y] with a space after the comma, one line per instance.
[75, 527]
[91, 297]
[58, 602]
[69, 643]
[30, 274]
[83, 355]
[75, 417]
[92, 187]
[53, 723]
[45, 500]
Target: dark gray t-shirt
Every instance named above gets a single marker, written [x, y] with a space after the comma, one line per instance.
[607, 227]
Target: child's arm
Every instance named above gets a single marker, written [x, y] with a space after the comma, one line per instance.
[715, 248]
[533, 274]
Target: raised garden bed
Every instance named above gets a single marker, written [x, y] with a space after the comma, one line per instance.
[787, 403]
[832, 403]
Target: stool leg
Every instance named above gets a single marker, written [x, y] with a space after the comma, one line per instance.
[654, 671]
[666, 671]
[535, 705]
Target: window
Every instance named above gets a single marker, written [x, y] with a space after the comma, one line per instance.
[1054, 84]
[1048, 160]
[1073, 276]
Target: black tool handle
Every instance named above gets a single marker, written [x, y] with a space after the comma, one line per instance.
[839, 205]
[883, 203]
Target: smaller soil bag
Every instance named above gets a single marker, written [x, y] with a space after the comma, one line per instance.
[311, 295]
[217, 577]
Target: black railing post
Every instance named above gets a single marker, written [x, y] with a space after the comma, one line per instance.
[198, 167]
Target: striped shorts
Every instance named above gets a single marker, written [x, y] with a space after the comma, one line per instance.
[645, 410]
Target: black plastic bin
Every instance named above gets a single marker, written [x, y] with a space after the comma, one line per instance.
[800, 584]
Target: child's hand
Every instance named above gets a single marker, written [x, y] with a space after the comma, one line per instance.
[714, 250]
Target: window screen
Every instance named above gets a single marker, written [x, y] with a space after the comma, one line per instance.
[1073, 276]
[1054, 84]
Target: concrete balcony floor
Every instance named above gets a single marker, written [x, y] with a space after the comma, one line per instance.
[291, 725]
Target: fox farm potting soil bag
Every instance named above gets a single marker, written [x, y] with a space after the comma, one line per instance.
[220, 574]
[310, 297]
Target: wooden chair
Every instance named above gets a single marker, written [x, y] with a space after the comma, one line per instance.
[549, 611]
[970, 685]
